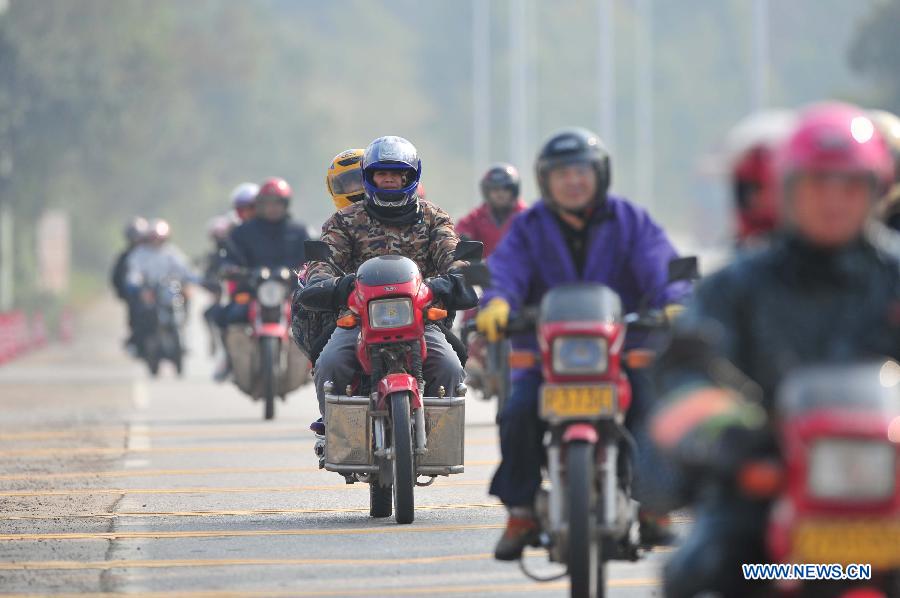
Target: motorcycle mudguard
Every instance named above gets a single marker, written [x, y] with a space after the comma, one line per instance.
[398, 383]
[581, 432]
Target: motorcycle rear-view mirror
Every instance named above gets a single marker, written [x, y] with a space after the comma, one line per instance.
[684, 269]
[469, 251]
[317, 251]
[477, 275]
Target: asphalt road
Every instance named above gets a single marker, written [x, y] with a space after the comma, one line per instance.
[111, 481]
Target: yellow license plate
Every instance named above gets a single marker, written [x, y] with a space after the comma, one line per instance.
[577, 402]
[873, 542]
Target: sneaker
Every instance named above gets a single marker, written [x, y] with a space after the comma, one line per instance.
[318, 427]
[655, 530]
[222, 371]
[520, 532]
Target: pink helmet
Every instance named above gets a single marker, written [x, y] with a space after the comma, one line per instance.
[835, 138]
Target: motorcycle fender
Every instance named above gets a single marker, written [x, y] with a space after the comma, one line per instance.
[398, 383]
[581, 432]
[275, 329]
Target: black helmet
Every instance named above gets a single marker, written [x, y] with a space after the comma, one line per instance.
[571, 146]
[500, 176]
[137, 230]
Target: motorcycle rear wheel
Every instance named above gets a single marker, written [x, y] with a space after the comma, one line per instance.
[404, 467]
[583, 544]
[269, 349]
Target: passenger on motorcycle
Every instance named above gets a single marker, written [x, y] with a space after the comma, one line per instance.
[821, 293]
[576, 232]
[888, 125]
[749, 147]
[271, 239]
[135, 234]
[243, 201]
[153, 262]
[218, 229]
[311, 329]
[392, 220]
[501, 201]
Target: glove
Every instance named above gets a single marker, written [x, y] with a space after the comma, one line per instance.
[493, 318]
[672, 311]
[342, 290]
[452, 290]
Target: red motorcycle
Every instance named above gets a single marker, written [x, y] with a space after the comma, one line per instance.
[385, 431]
[265, 363]
[585, 509]
[839, 432]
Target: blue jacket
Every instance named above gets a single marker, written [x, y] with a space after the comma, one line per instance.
[627, 252]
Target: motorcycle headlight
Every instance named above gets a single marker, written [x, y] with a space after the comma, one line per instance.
[854, 470]
[271, 293]
[579, 355]
[390, 313]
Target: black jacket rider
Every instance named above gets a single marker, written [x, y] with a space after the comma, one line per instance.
[259, 242]
[787, 306]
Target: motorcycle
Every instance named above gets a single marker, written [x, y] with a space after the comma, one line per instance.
[384, 431]
[265, 363]
[163, 316]
[839, 500]
[585, 506]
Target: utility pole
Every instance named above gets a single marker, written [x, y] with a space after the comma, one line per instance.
[644, 110]
[606, 66]
[760, 77]
[481, 86]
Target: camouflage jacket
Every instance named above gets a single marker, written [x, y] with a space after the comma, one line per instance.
[354, 237]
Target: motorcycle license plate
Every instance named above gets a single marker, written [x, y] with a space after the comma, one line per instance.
[874, 542]
[577, 402]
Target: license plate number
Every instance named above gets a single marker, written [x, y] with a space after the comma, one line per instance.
[874, 542]
[577, 402]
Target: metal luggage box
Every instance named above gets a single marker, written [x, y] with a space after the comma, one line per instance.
[348, 432]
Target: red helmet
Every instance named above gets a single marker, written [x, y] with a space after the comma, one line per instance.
[274, 188]
[835, 138]
[749, 150]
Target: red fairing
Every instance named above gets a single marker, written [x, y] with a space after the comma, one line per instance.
[421, 297]
[614, 333]
[393, 383]
[581, 432]
[797, 438]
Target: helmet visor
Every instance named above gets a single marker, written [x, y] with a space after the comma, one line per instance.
[347, 183]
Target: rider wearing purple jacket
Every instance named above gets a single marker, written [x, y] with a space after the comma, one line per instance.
[577, 232]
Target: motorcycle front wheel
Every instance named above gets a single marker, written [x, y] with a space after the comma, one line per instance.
[583, 559]
[269, 349]
[404, 467]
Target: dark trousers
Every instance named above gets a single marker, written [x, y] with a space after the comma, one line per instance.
[521, 434]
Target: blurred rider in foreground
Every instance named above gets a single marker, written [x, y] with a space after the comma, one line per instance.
[820, 293]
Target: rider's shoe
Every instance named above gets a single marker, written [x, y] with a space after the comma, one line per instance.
[655, 530]
[520, 532]
[133, 350]
[318, 427]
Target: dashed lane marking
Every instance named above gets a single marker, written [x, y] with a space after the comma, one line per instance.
[392, 529]
[232, 513]
[137, 473]
[209, 489]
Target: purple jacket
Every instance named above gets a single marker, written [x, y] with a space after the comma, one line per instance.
[627, 252]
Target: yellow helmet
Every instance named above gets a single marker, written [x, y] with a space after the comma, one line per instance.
[344, 178]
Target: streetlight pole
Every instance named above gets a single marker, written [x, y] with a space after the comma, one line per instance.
[760, 77]
[481, 85]
[606, 72]
[644, 109]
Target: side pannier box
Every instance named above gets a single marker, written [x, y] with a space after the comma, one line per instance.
[445, 425]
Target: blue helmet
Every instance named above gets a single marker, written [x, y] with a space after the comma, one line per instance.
[391, 153]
